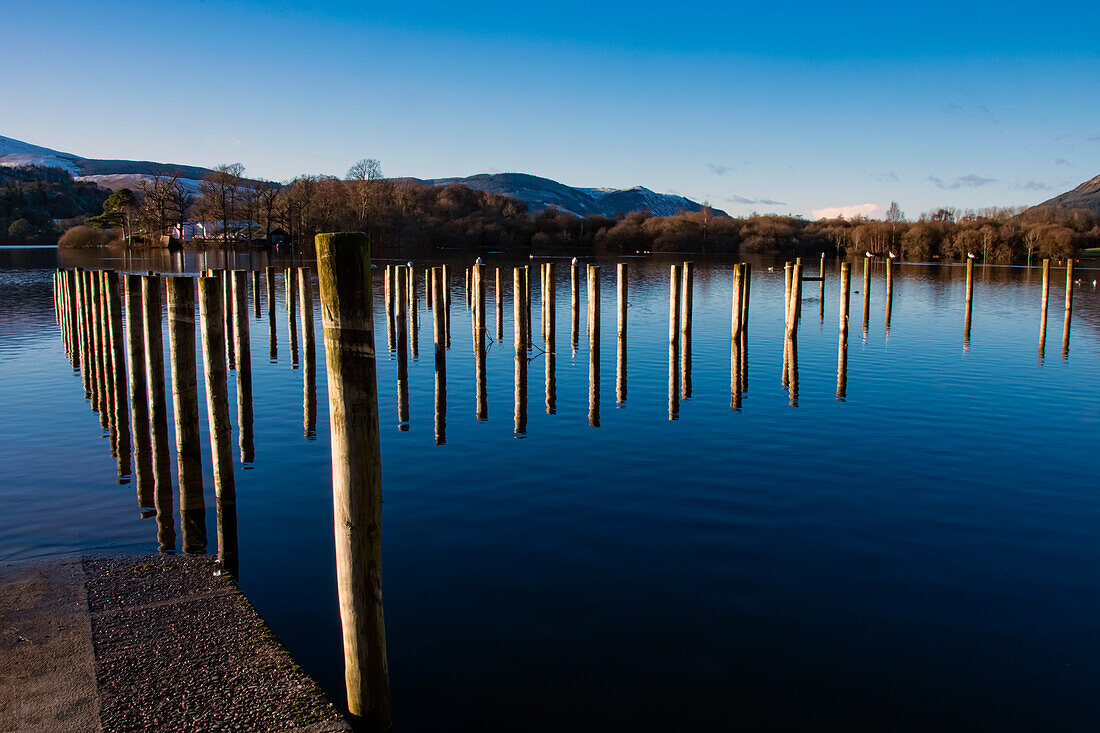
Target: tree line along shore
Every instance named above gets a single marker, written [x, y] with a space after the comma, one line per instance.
[47, 205]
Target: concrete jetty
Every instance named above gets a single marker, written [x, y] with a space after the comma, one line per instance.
[152, 643]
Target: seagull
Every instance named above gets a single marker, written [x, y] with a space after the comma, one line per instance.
[869, 254]
[574, 260]
[970, 255]
[409, 263]
[1094, 283]
[478, 261]
[892, 255]
[771, 269]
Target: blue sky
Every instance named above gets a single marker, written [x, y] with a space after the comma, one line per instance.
[796, 107]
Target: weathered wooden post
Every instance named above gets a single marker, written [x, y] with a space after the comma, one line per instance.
[387, 295]
[792, 334]
[272, 335]
[549, 296]
[86, 369]
[746, 284]
[1043, 313]
[842, 346]
[821, 289]
[788, 270]
[673, 342]
[551, 356]
[469, 293]
[139, 396]
[687, 296]
[309, 372]
[118, 378]
[74, 318]
[445, 284]
[185, 407]
[151, 290]
[107, 351]
[594, 346]
[414, 315]
[242, 345]
[574, 303]
[256, 293]
[735, 335]
[429, 288]
[479, 341]
[343, 269]
[1069, 307]
[519, 341]
[215, 376]
[401, 333]
[969, 298]
[889, 289]
[97, 344]
[527, 324]
[227, 300]
[440, 356]
[866, 293]
[499, 296]
[620, 351]
[291, 285]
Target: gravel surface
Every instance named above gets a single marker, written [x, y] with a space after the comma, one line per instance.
[179, 648]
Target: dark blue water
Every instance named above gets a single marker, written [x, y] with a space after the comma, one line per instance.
[921, 554]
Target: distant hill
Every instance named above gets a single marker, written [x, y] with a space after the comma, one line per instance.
[111, 174]
[540, 193]
[1085, 196]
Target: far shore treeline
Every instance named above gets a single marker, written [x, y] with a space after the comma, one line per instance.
[47, 205]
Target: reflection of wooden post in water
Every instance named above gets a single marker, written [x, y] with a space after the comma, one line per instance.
[1043, 313]
[445, 285]
[889, 289]
[387, 296]
[309, 373]
[400, 321]
[469, 293]
[499, 297]
[687, 296]
[74, 318]
[88, 337]
[842, 346]
[620, 350]
[139, 397]
[212, 323]
[429, 288]
[343, 270]
[479, 340]
[440, 356]
[118, 378]
[185, 406]
[151, 290]
[594, 346]
[519, 342]
[1069, 307]
[272, 337]
[243, 347]
[866, 294]
[290, 283]
[969, 299]
[673, 342]
[574, 298]
[792, 334]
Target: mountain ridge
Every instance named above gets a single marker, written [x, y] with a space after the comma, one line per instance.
[1084, 196]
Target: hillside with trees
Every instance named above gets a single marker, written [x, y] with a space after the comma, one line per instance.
[37, 203]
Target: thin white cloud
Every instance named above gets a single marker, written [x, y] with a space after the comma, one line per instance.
[870, 211]
[720, 169]
[971, 181]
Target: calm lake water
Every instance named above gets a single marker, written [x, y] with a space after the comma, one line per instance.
[921, 554]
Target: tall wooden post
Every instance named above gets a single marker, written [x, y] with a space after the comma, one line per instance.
[215, 376]
[242, 345]
[866, 294]
[227, 300]
[74, 318]
[272, 335]
[620, 351]
[100, 396]
[309, 372]
[842, 346]
[527, 327]
[82, 332]
[499, 296]
[574, 305]
[185, 407]
[118, 379]
[256, 293]
[440, 338]
[479, 341]
[139, 396]
[550, 311]
[151, 290]
[400, 323]
[1069, 307]
[291, 285]
[343, 270]
[969, 298]
[445, 284]
[673, 342]
[821, 289]
[792, 333]
[594, 346]
[414, 315]
[519, 310]
[108, 358]
[687, 296]
[889, 289]
[1043, 312]
[387, 294]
